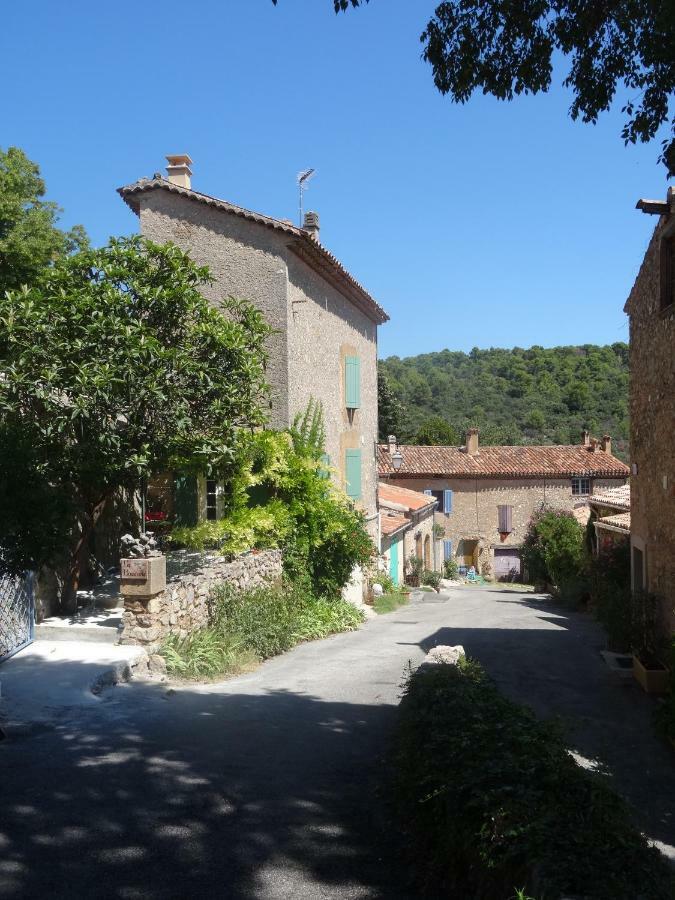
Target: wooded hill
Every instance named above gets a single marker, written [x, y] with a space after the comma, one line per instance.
[535, 396]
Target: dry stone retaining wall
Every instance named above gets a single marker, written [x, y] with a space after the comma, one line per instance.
[183, 606]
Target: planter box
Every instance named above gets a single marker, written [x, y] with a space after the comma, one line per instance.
[653, 681]
[142, 577]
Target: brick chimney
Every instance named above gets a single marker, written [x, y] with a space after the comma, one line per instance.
[472, 442]
[593, 445]
[606, 443]
[311, 224]
[393, 444]
[178, 170]
[585, 438]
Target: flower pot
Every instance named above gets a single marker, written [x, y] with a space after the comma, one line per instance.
[652, 680]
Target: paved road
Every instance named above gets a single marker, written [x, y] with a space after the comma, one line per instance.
[266, 786]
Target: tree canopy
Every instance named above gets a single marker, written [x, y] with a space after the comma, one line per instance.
[535, 396]
[29, 237]
[505, 49]
[114, 366]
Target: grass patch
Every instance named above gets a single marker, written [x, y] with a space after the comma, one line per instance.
[387, 603]
[493, 801]
[247, 628]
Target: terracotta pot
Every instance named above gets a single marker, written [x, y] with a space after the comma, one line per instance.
[652, 681]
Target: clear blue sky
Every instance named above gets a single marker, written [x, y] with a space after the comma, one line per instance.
[490, 224]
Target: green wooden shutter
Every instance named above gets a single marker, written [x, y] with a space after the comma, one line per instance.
[353, 473]
[352, 382]
[186, 500]
[324, 471]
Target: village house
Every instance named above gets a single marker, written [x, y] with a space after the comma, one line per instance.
[487, 495]
[651, 310]
[406, 530]
[324, 346]
[610, 515]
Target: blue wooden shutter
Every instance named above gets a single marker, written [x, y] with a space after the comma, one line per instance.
[447, 549]
[352, 382]
[447, 502]
[353, 473]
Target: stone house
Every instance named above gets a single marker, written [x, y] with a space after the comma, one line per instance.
[651, 310]
[610, 515]
[324, 345]
[406, 529]
[487, 495]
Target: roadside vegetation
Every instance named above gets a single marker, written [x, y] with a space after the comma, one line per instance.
[247, 628]
[495, 805]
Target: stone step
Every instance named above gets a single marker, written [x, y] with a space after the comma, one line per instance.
[100, 627]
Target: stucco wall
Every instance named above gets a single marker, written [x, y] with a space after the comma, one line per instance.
[247, 261]
[652, 416]
[474, 506]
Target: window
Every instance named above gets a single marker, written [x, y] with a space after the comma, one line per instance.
[444, 498]
[447, 549]
[352, 382]
[324, 471]
[505, 517]
[581, 487]
[211, 500]
[353, 473]
[667, 275]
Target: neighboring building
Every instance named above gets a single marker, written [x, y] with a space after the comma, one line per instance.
[487, 495]
[325, 341]
[651, 309]
[610, 514]
[406, 529]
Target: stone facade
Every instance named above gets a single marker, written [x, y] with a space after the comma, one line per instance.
[183, 606]
[316, 323]
[652, 418]
[472, 526]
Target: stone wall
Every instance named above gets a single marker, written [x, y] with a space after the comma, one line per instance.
[183, 606]
[652, 414]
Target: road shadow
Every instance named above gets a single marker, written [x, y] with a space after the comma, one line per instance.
[160, 794]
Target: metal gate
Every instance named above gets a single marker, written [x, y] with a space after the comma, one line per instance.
[17, 613]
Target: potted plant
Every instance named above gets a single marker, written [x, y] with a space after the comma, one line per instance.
[415, 569]
[648, 644]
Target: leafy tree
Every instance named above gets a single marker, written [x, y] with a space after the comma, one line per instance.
[436, 432]
[29, 238]
[505, 49]
[113, 366]
[390, 409]
[553, 549]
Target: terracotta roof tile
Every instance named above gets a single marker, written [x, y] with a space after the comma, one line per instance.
[503, 462]
[305, 246]
[617, 497]
[620, 520]
[412, 500]
[392, 524]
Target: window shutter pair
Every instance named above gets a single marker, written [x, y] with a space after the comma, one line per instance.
[353, 473]
[447, 549]
[352, 382]
[505, 514]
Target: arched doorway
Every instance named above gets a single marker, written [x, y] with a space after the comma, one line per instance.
[427, 552]
[418, 546]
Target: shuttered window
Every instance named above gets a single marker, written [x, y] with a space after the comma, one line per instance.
[447, 502]
[505, 515]
[447, 549]
[211, 500]
[353, 473]
[352, 382]
[325, 466]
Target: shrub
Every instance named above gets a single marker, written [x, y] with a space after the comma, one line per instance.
[609, 580]
[415, 568]
[432, 579]
[553, 550]
[259, 527]
[385, 581]
[665, 714]
[450, 569]
[493, 800]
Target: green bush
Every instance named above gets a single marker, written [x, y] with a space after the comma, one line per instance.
[553, 551]
[432, 579]
[665, 714]
[387, 603]
[609, 580]
[385, 581]
[249, 627]
[492, 799]
[450, 569]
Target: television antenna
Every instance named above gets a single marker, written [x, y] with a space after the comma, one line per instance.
[303, 179]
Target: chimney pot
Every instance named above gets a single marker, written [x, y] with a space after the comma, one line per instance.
[472, 442]
[311, 224]
[178, 170]
[606, 443]
[593, 445]
[585, 438]
[393, 443]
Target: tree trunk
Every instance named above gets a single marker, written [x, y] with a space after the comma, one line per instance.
[79, 557]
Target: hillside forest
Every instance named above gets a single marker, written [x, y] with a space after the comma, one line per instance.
[534, 396]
